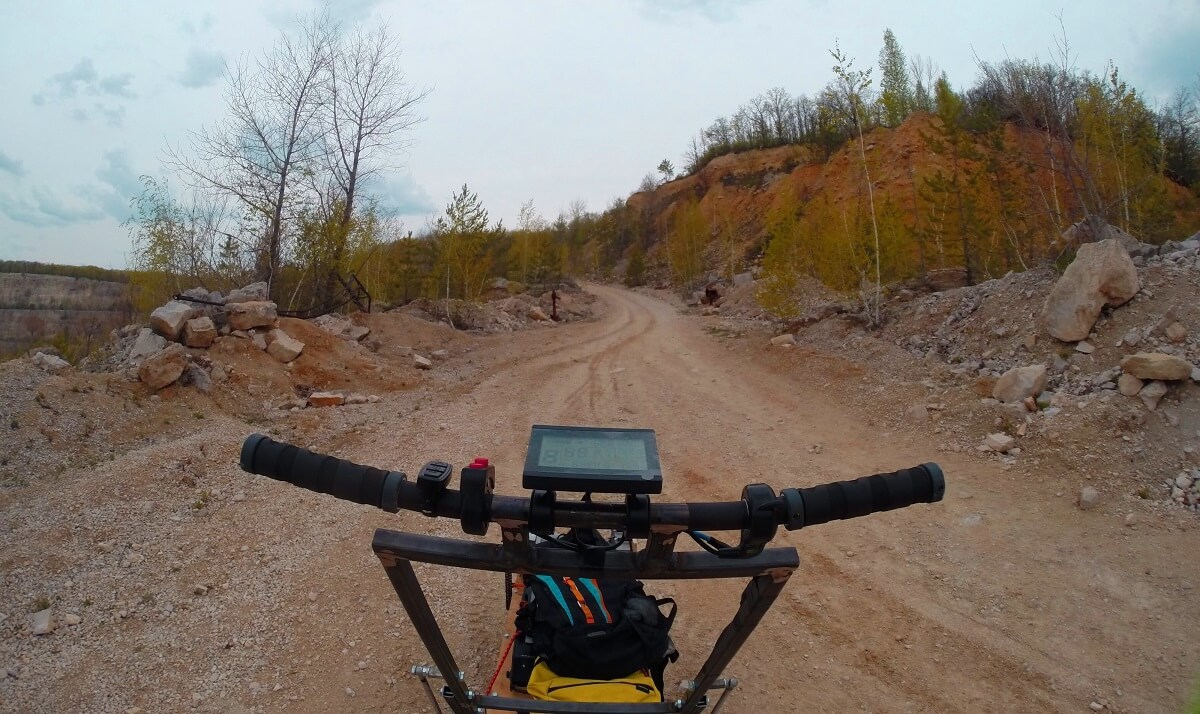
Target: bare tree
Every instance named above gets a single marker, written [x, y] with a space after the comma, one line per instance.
[271, 134]
[370, 110]
[924, 75]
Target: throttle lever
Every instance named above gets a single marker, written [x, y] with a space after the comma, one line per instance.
[762, 519]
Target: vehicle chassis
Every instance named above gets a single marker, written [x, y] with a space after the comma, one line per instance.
[768, 572]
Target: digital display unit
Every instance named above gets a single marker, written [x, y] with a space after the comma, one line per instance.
[592, 459]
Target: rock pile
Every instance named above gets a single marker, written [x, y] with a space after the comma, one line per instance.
[1185, 489]
[508, 313]
[984, 336]
[195, 322]
[50, 362]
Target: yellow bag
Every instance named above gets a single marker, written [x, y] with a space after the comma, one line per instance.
[636, 688]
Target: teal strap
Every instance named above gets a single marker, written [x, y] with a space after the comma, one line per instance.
[557, 592]
[590, 584]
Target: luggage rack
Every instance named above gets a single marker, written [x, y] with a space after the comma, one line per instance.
[768, 572]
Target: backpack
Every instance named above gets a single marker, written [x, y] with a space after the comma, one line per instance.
[596, 629]
[635, 688]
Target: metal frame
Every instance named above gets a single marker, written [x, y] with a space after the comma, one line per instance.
[768, 572]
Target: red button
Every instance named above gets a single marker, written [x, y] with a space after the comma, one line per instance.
[479, 463]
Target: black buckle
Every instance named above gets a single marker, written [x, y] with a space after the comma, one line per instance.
[541, 513]
[637, 515]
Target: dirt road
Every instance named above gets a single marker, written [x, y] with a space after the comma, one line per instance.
[1001, 597]
[1004, 597]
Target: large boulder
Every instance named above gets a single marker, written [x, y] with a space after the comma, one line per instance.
[1129, 385]
[341, 327]
[169, 320]
[1000, 442]
[50, 363]
[248, 315]
[1152, 394]
[208, 296]
[147, 343]
[326, 399]
[1020, 382]
[283, 346]
[164, 367]
[199, 332]
[944, 279]
[255, 292]
[195, 376]
[1155, 365]
[1101, 274]
[43, 622]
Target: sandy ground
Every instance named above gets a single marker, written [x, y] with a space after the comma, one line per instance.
[1004, 597]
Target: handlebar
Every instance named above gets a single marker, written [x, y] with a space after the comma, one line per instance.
[759, 509]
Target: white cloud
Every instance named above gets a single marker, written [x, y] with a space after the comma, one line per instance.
[400, 194]
[117, 183]
[109, 92]
[10, 165]
[199, 27]
[714, 10]
[42, 206]
[202, 69]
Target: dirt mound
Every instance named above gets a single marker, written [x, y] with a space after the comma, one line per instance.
[507, 314]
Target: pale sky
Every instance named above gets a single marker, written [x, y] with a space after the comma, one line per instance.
[553, 101]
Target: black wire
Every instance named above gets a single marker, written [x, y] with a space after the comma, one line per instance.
[715, 546]
[580, 548]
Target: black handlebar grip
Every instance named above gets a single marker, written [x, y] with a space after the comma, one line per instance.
[318, 472]
[869, 494]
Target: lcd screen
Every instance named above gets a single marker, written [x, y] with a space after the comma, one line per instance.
[592, 459]
[572, 452]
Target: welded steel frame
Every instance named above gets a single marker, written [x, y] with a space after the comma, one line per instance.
[768, 572]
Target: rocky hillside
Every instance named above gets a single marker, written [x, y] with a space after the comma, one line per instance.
[36, 308]
[1095, 369]
[1009, 187]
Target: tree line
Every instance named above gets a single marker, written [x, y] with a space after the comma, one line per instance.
[280, 189]
[1042, 95]
[90, 272]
